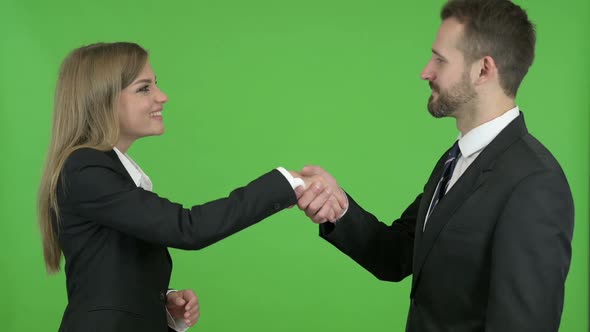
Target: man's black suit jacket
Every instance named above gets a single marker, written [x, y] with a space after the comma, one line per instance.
[495, 252]
[115, 235]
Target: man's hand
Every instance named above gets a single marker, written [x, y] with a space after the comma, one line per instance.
[322, 200]
[183, 304]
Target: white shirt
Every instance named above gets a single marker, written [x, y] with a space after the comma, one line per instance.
[473, 143]
[477, 139]
[142, 180]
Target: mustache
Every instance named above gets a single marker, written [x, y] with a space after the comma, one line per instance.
[433, 86]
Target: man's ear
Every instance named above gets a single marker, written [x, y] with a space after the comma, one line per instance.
[484, 70]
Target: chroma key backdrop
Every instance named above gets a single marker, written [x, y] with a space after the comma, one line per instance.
[258, 84]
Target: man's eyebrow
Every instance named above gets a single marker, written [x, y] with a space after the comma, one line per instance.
[438, 54]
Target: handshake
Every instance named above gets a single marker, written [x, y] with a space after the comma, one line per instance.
[321, 199]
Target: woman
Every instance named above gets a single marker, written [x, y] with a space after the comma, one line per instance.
[96, 205]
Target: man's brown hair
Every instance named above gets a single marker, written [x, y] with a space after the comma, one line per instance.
[496, 28]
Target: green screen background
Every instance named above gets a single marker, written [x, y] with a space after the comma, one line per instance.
[258, 84]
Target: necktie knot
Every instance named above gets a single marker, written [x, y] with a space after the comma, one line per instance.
[453, 154]
[450, 163]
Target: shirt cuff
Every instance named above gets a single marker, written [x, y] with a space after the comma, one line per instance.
[176, 324]
[295, 182]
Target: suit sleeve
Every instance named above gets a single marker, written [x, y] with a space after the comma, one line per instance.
[385, 251]
[96, 191]
[531, 252]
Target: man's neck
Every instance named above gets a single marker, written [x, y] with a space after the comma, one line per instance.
[481, 113]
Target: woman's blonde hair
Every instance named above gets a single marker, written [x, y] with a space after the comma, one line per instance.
[84, 115]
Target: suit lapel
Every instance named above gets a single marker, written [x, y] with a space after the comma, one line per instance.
[119, 165]
[121, 168]
[475, 175]
[425, 202]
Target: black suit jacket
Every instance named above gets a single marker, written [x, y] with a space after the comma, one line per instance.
[115, 235]
[495, 252]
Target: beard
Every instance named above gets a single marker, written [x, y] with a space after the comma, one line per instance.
[448, 101]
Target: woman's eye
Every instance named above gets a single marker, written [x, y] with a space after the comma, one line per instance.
[145, 88]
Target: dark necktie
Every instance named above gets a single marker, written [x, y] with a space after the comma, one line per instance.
[447, 173]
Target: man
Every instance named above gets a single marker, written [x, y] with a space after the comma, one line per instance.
[488, 241]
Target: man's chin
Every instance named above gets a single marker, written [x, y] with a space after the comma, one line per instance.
[436, 111]
[432, 107]
[435, 115]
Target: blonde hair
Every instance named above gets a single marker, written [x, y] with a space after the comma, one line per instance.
[84, 115]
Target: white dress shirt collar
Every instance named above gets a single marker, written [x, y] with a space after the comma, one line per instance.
[479, 137]
[137, 174]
